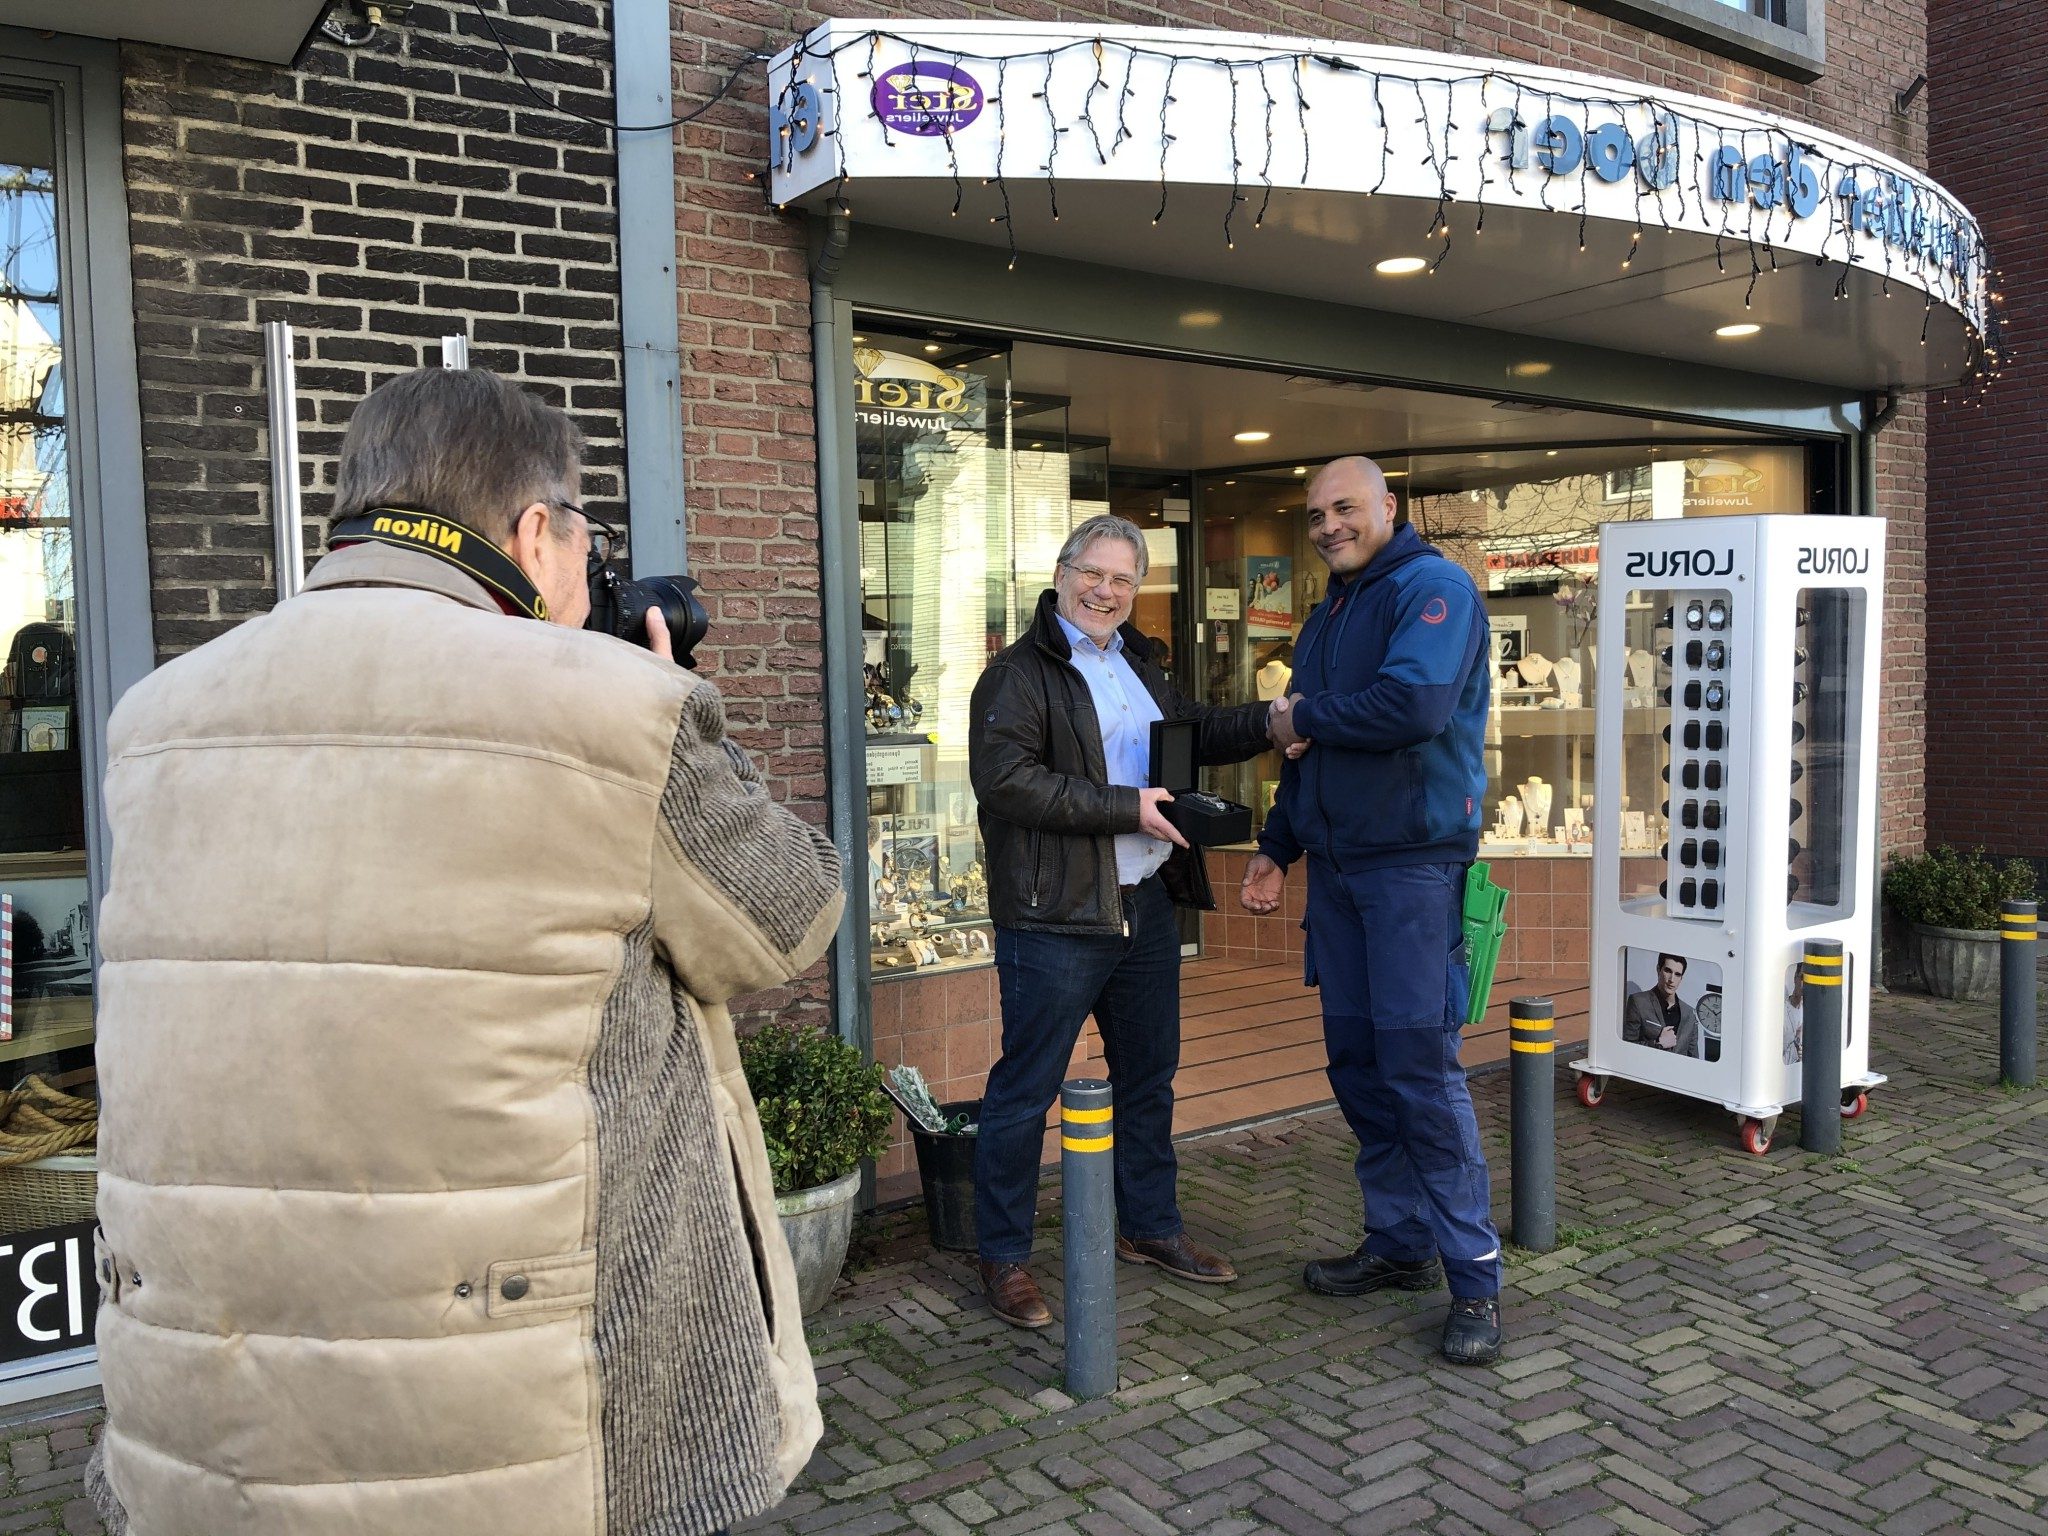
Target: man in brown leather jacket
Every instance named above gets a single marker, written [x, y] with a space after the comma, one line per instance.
[1084, 876]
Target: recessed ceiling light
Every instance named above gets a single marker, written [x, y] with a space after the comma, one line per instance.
[1250, 437]
[1732, 331]
[858, 340]
[1394, 474]
[1400, 266]
[1550, 453]
[1530, 370]
[931, 346]
[1230, 482]
[1201, 319]
[1301, 469]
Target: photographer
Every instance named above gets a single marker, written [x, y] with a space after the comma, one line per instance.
[432, 1197]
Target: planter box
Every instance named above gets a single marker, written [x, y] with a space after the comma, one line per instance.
[1960, 963]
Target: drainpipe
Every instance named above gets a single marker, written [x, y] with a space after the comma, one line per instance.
[1876, 418]
[839, 589]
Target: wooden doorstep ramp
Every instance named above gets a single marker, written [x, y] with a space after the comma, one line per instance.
[1252, 1039]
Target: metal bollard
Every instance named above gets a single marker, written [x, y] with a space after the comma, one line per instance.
[1820, 1069]
[2016, 992]
[1087, 1163]
[1532, 1122]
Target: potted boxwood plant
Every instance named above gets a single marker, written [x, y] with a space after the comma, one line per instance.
[1949, 900]
[823, 1113]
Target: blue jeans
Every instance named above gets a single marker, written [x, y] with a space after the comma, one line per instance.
[1386, 946]
[1050, 983]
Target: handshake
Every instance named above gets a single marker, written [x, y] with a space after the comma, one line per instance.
[1280, 726]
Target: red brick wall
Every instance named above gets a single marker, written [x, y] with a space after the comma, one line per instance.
[1987, 716]
[747, 412]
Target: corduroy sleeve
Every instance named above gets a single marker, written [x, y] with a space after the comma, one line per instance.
[746, 895]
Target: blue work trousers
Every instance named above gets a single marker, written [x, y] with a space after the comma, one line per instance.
[1387, 948]
[1050, 983]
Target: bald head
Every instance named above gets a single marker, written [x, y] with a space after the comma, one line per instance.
[1345, 471]
[1350, 513]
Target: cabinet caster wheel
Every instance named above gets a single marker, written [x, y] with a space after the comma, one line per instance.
[1854, 1102]
[1754, 1135]
[1592, 1088]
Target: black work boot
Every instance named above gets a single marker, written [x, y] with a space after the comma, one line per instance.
[1357, 1273]
[1472, 1331]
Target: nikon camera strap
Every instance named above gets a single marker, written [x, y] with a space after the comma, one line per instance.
[464, 548]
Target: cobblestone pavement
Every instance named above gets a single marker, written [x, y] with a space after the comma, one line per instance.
[1723, 1343]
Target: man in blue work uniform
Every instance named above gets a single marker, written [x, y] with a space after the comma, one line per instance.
[1084, 873]
[1390, 673]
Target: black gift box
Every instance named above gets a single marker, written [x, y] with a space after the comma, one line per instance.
[1205, 820]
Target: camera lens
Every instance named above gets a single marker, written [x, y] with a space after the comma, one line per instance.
[619, 606]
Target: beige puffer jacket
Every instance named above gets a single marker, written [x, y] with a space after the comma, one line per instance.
[432, 1200]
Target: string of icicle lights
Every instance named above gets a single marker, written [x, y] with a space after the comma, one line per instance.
[1920, 231]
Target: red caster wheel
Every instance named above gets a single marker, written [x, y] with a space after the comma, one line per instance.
[1591, 1089]
[1854, 1103]
[1755, 1137]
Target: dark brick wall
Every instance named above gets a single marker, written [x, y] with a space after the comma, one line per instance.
[1987, 778]
[376, 198]
[745, 302]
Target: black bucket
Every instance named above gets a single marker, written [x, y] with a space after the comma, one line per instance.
[946, 1166]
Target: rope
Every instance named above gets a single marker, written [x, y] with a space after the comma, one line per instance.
[38, 1121]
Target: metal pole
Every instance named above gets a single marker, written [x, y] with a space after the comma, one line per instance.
[1532, 1122]
[288, 534]
[455, 351]
[1087, 1160]
[1820, 1069]
[2016, 993]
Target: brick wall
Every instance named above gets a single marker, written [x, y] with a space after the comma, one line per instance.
[750, 441]
[1987, 716]
[376, 198]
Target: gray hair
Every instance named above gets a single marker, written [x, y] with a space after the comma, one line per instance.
[461, 443]
[1107, 525]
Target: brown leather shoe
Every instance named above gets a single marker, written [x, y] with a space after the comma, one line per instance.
[1179, 1255]
[1013, 1295]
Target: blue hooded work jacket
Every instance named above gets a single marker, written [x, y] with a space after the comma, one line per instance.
[1392, 667]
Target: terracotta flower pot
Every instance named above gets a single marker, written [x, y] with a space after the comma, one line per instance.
[1961, 963]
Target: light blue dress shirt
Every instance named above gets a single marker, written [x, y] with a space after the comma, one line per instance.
[1126, 712]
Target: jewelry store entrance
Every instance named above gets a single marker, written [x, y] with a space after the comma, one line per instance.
[978, 452]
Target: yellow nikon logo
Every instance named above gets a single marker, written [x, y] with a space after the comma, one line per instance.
[426, 530]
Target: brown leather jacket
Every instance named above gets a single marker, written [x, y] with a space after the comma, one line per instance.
[1049, 816]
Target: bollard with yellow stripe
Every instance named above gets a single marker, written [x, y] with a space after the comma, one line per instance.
[1532, 1122]
[1088, 1235]
[1820, 1053]
[2018, 989]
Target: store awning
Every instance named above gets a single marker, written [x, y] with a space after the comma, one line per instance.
[1548, 204]
[270, 31]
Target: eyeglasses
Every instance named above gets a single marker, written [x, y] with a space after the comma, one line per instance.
[1092, 576]
[607, 543]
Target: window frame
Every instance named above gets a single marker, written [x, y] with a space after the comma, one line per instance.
[1795, 48]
